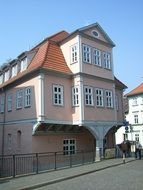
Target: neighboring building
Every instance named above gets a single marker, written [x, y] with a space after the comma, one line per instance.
[134, 115]
[61, 95]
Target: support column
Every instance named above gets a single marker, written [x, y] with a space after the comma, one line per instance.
[41, 98]
[99, 149]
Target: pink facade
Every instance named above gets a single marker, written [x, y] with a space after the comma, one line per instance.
[66, 96]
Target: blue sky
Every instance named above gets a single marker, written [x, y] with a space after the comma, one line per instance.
[25, 23]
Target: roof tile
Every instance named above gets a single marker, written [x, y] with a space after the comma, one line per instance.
[137, 90]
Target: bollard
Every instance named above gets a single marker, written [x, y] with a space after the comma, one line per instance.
[124, 158]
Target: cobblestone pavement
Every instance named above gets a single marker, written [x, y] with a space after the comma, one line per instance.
[122, 177]
[48, 178]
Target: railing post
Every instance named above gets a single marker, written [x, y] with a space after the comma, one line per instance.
[55, 160]
[37, 164]
[14, 166]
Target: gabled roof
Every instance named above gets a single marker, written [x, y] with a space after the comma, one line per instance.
[136, 91]
[81, 30]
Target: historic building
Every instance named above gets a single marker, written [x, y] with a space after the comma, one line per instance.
[134, 117]
[61, 95]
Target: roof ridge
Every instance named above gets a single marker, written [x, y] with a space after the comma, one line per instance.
[47, 48]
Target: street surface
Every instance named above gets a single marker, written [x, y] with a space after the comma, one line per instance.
[128, 176]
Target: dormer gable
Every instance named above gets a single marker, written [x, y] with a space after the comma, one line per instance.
[95, 31]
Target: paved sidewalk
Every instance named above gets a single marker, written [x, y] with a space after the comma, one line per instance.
[39, 180]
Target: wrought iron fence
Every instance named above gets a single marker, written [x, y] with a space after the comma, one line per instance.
[25, 164]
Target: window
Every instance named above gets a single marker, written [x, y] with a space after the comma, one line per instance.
[134, 102]
[97, 57]
[6, 75]
[69, 146]
[99, 97]
[109, 99]
[86, 54]
[27, 97]
[19, 99]
[136, 119]
[1, 78]
[125, 136]
[137, 137]
[74, 54]
[95, 33]
[75, 96]
[14, 70]
[88, 92]
[18, 139]
[2, 104]
[9, 102]
[58, 95]
[9, 141]
[24, 64]
[107, 60]
[141, 100]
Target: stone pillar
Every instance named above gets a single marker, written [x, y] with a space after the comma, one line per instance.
[99, 149]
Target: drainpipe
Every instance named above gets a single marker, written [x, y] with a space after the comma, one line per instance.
[3, 125]
[3, 132]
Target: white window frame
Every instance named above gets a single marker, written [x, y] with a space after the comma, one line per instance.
[86, 52]
[2, 101]
[58, 95]
[19, 99]
[109, 98]
[14, 70]
[75, 96]
[99, 97]
[24, 64]
[9, 102]
[69, 147]
[137, 137]
[27, 97]
[88, 94]
[74, 54]
[6, 75]
[1, 78]
[136, 118]
[141, 99]
[107, 60]
[135, 101]
[97, 57]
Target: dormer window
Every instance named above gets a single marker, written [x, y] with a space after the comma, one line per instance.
[24, 64]
[14, 70]
[1, 78]
[95, 33]
[74, 53]
[6, 75]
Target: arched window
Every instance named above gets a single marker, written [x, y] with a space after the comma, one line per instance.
[18, 139]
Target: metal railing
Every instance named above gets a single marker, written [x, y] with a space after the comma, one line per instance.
[25, 164]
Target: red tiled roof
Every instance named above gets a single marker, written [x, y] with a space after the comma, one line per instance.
[59, 36]
[137, 90]
[55, 59]
[48, 56]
